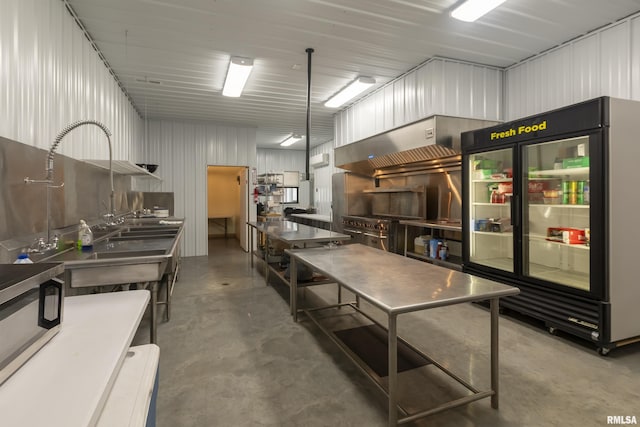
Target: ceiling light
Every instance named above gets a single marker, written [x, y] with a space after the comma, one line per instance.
[471, 10]
[290, 140]
[354, 88]
[237, 75]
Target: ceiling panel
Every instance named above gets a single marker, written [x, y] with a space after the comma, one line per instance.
[172, 56]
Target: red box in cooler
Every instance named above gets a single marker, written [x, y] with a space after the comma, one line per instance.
[568, 235]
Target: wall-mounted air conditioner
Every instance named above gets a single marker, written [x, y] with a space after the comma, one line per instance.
[319, 160]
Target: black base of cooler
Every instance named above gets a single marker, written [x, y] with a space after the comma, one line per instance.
[582, 317]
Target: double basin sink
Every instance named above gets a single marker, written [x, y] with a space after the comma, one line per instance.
[138, 251]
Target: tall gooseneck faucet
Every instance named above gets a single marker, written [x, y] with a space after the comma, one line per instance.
[49, 167]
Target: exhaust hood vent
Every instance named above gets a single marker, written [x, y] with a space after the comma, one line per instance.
[416, 155]
[427, 144]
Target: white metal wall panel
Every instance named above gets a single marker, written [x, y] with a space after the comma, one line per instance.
[586, 69]
[436, 76]
[183, 150]
[367, 116]
[452, 90]
[378, 105]
[615, 61]
[277, 161]
[389, 109]
[322, 197]
[634, 46]
[351, 124]
[439, 86]
[358, 124]
[410, 97]
[338, 128]
[50, 76]
[606, 62]
[398, 103]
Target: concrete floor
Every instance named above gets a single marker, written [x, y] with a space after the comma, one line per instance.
[232, 356]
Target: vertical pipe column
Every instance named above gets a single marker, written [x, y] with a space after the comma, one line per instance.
[308, 135]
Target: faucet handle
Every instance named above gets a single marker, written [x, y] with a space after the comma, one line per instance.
[40, 245]
[109, 218]
[37, 246]
[54, 242]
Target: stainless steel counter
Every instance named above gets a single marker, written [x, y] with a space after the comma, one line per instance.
[293, 233]
[436, 225]
[290, 233]
[396, 285]
[314, 217]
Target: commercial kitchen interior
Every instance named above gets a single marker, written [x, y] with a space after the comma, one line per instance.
[152, 71]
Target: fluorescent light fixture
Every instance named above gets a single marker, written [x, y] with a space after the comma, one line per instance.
[237, 75]
[290, 140]
[471, 10]
[354, 88]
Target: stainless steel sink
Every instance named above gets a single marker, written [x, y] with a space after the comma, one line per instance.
[134, 252]
[126, 237]
[151, 229]
[127, 254]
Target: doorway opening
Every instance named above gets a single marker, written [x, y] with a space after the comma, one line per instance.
[227, 194]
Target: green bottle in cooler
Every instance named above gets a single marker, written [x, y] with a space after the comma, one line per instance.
[581, 185]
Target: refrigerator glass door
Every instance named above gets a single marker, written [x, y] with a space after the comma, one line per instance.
[556, 211]
[491, 190]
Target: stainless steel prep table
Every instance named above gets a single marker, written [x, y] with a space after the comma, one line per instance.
[291, 233]
[388, 282]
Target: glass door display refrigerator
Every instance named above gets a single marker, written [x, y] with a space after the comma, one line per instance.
[549, 206]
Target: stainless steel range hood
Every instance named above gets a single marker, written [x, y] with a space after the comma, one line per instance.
[430, 143]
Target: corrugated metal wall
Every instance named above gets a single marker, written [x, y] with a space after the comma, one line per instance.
[605, 62]
[50, 76]
[440, 86]
[322, 196]
[294, 160]
[183, 150]
[275, 161]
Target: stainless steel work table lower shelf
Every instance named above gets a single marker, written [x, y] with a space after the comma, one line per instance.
[396, 285]
[290, 234]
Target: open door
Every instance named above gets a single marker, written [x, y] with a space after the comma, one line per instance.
[229, 203]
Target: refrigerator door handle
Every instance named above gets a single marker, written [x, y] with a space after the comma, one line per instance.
[515, 212]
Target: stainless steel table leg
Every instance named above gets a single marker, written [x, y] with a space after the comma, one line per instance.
[154, 312]
[406, 228]
[393, 370]
[170, 286]
[494, 352]
[251, 254]
[293, 288]
[167, 313]
[266, 259]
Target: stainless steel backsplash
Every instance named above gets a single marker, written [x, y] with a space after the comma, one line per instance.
[85, 195]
